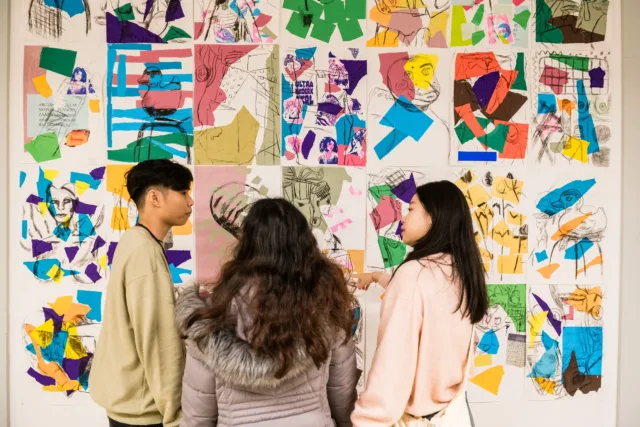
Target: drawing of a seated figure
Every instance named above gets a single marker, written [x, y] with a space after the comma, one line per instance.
[406, 20]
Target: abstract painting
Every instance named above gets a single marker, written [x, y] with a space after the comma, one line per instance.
[408, 108]
[65, 21]
[500, 344]
[123, 214]
[490, 108]
[499, 208]
[572, 125]
[323, 107]
[570, 229]
[333, 201]
[571, 21]
[408, 23]
[233, 21]
[149, 21]
[60, 341]
[149, 111]
[63, 105]
[323, 21]
[63, 234]
[223, 196]
[564, 341]
[237, 105]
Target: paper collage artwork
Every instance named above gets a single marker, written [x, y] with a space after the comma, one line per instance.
[233, 21]
[499, 356]
[490, 108]
[237, 105]
[63, 105]
[63, 233]
[324, 107]
[123, 214]
[572, 106]
[149, 115]
[408, 108]
[571, 22]
[65, 21]
[320, 22]
[564, 341]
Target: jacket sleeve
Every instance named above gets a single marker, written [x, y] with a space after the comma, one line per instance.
[150, 303]
[343, 379]
[199, 402]
[392, 374]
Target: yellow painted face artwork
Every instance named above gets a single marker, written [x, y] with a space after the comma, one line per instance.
[421, 68]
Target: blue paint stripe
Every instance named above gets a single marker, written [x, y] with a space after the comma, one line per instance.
[135, 126]
[164, 65]
[129, 93]
[477, 156]
[129, 46]
[141, 114]
[111, 60]
[122, 74]
[170, 149]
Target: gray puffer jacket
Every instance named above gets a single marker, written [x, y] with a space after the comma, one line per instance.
[226, 383]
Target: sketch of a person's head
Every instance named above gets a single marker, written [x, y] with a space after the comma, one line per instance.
[414, 79]
[338, 74]
[308, 191]
[230, 203]
[328, 145]
[293, 63]
[62, 202]
[292, 110]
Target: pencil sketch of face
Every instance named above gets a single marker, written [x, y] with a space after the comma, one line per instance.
[63, 202]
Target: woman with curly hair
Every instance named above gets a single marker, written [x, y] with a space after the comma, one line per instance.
[270, 346]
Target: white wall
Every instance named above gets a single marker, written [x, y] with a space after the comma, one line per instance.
[628, 408]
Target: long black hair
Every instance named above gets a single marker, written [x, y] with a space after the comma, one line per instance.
[452, 233]
[301, 298]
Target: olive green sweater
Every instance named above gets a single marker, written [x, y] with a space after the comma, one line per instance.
[137, 368]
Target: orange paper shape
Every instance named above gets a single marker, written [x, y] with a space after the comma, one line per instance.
[465, 112]
[470, 65]
[490, 379]
[77, 137]
[507, 77]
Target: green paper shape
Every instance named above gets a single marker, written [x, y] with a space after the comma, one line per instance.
[293, 5]
[175, 33]
[350, 29]
[512, 298]
[496, 139]
[545, 31]
[334, 11]
[464, 133]
[392, 251]
[579, 63]
[125, 12]
[381, 190]
[296, 26]
[477, 37]
[61, 61]
[322, 30]
[128, 154]
[522, 18]
[458, 19]
[477, 17]
[521, 82]
[355, 9]
[44, 147]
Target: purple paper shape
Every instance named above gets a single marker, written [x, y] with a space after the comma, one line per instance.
[84, 208]
[557, 325]
[98, 244]
[356, 69]
[92, 272]
[43, 380]
[111, 251]
[405, 190]
[50, 314]
[174, 11]
[98, 173]
[71, 252]
[148, 8]
[307, 144]
[75, 368]
[484, 88]
[128, 32]
[329, 108]
[177, 257]
[597, 77]
[39, 247]
[399, 230]
[33, 199]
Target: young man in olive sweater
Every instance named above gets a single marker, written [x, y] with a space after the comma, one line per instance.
[137, 370]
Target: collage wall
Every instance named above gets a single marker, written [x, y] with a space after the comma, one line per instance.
[343, 107]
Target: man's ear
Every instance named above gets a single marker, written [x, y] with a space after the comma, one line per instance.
[154, 198]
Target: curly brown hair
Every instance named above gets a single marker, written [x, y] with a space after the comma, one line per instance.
[301, 300]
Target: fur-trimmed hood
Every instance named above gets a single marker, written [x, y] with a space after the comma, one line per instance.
[227, 355]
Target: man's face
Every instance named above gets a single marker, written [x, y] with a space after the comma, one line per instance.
[175, 206]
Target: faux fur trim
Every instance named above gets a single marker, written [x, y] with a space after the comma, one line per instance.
[230, 358]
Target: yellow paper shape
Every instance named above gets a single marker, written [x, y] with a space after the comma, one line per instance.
[74, 349]
[549, 386]
[116, 182]
[577, 149]
[103, 261]
[483, 217]
[548, 270]
[120, 218]
[183, 230]
[469, 178]
[43, 207]
[476, 195]
[507, 189]
[51, 174]
[510, 264]
[596, 261]
[585, 300]
[421, 68]
[438, 23]
[483, 360]
[569, 226]
[42, 85]
[357, 260]
[75, 312]
[535, 326]
[61, 305]
[43, 334]
[94, 105]
[515, 218]
[55, 273]
[490, 379]
[81, 187]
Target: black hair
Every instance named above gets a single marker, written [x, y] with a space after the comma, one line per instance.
[164, 174]
[452, 233]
